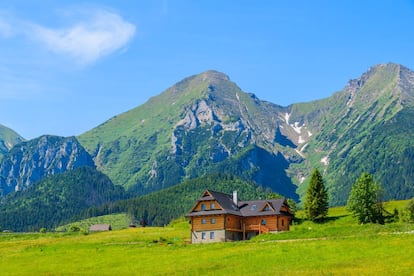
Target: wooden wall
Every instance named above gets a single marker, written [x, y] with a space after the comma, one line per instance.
[271, 221]
[197, 225]
[233, 222]
[283, 223]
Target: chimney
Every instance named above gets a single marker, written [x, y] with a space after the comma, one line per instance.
[235, 197]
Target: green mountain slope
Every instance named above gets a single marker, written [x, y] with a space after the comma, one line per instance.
[206, 124]
[362, 128]
[8, 138]
[186, 132]
[57, 199]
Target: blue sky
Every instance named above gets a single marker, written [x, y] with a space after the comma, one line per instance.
[68, 66]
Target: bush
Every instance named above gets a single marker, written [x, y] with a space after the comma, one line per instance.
[410, 210]
[74, 228]
[407, 214]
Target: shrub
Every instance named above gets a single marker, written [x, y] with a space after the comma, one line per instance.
[74, 228]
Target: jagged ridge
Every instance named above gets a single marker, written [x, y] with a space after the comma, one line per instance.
[30, 161]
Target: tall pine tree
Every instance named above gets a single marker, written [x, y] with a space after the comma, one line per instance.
[316, 202]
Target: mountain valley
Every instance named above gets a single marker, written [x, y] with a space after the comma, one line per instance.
[206, 125]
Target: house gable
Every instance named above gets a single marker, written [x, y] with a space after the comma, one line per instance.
[267, 207]
[211, 201]
[207, 205]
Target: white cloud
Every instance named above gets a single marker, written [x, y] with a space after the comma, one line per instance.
[89, 39]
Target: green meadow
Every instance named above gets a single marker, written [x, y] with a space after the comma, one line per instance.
[337, 247]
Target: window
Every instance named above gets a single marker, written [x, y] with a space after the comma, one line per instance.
[253, 208]
[212, 206]
[203, 235]
[211, 235]
[213, 220]
[267, 208]
[263, 222]
[203, 221]
[203, 207]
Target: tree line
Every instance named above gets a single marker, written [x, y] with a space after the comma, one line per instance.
[364, 201]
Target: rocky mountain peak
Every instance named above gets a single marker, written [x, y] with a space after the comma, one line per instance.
[380, 69]
[380, 82]
[213, 76]
[30, 161]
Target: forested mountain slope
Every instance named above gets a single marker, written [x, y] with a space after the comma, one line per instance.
[57, 199]
[30, 161]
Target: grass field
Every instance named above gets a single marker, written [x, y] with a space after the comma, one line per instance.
[117, 222]
[338, 247]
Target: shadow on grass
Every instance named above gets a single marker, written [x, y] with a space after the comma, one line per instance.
[299, 221]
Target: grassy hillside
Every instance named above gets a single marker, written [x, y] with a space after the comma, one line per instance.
[117, 222]
[340, 247]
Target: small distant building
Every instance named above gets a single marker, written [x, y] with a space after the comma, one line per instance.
[218, 217]
[100, 227]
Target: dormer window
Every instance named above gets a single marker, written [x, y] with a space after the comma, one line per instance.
[267, 208]
[253, 207]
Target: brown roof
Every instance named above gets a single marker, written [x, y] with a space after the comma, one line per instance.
[243, 208]
[257, 207]
[100, 227]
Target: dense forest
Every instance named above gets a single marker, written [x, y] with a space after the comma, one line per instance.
[85, 192]
[388, 152]
[57, 199]
[161, 207]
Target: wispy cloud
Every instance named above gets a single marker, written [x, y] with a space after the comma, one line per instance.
[83, 35]
[89, 39]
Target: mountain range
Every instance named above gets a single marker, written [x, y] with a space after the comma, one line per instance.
[205, 124]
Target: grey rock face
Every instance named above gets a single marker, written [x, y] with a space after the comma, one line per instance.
[30, 161]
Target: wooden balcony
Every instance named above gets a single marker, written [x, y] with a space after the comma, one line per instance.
[259, 227]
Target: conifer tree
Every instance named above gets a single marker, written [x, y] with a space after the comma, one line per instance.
[316, 202]
[364, 200]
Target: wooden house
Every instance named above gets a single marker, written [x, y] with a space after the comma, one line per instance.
[220, 217]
